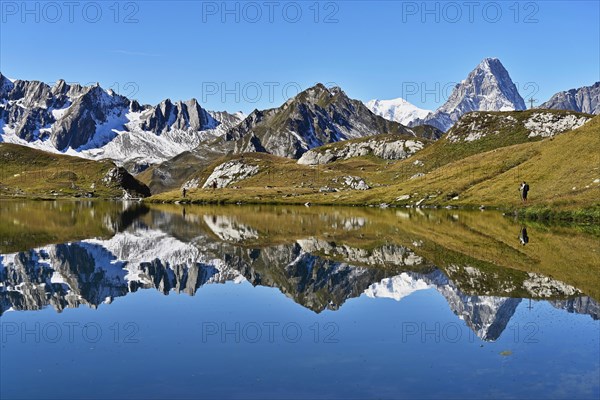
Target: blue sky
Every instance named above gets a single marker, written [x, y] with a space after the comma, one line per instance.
[231, 58]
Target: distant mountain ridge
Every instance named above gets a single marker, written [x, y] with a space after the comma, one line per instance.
[95, 123]
[92, 122]
[398, 110]
[585, 99]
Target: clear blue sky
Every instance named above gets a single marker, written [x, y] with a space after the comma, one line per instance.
[372, 49]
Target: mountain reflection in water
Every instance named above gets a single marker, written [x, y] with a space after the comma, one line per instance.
[319, 257]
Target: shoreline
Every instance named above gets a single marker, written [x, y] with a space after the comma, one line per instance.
[544, 213]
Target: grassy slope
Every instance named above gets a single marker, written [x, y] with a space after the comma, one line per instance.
[552, 167]
[478, 176]
[26, 172]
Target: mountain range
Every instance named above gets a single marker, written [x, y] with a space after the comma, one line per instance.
[487, 88]
[585, 99]
[91, 122]
[174, 138]
[315, 117]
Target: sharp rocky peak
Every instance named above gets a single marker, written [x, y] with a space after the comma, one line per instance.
[488, 87]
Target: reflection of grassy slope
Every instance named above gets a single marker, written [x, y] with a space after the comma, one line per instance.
[282, 225]
[486, 240]
[487, 171]
[27, 172]
[29, 225]
[563, 254]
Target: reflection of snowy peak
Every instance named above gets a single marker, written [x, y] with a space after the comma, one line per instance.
[94, 271]
[486, 315]
[397, 287]
[315, 273]
[63, 276]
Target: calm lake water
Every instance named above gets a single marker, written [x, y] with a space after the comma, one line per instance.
[114, 300]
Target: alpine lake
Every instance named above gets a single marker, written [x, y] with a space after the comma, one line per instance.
[118, 300]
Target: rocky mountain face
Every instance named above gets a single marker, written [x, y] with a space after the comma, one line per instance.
[519, 127]
[388, 147]
[65, 116]
[585, 99]
[314, 117]
[487, 88]
[96, 123]
[398, 110]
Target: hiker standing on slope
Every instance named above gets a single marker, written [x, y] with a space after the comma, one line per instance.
[524, 188]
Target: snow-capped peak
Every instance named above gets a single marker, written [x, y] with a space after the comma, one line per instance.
[91, 122]
[398, 110]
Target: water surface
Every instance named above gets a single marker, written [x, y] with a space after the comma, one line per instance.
[124, 300]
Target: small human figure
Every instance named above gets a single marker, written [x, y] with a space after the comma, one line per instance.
[214, 185]
[524, 189]
[523, 238]
[183, 192]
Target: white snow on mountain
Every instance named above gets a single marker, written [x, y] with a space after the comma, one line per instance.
[95, 123]
[398, 110]
[121, 139]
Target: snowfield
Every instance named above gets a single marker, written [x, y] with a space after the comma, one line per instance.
[398, 110]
